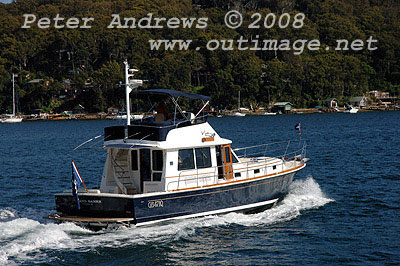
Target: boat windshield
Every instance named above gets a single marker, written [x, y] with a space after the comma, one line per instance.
[169, 106]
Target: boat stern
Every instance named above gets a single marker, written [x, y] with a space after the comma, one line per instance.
[94, 208]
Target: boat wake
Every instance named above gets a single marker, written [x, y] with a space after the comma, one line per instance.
[7, 213]
[24, 239]
[303, 195]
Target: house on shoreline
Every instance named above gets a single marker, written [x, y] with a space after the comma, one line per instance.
[331, 103]
[283, 107]
[112, 110]
[359, 101]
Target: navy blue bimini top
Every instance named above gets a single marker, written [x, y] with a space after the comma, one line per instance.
[171, 93]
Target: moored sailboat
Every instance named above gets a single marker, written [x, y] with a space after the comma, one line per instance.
[239, 111]
[12, 118]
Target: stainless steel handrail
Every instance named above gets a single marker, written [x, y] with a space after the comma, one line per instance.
[267, 144]
[266, 148]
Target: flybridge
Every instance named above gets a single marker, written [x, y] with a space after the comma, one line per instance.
[156, 123]
[148, 130]
[159, 122]
[160, 109]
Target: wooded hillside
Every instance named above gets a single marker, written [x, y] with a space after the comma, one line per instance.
[85, 66]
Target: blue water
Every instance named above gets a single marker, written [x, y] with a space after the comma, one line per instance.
[342, 209]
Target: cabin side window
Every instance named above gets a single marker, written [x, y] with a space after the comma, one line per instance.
[185, 159]
[203, 157]
[234, 159]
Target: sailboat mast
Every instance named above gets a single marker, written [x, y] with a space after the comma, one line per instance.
[239, 102]
[13, 95]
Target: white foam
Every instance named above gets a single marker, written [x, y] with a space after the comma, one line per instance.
[7, 213]
[303, 195]
[19, 237]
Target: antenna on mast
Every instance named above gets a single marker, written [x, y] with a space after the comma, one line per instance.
[130, 84]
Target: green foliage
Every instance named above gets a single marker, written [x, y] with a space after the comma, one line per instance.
[91, 60]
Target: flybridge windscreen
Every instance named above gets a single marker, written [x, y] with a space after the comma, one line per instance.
[168, 105]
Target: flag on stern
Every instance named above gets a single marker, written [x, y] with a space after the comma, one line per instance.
[77, 181]
[298, 127]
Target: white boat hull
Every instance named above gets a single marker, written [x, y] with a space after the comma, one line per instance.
[250, 196]
[11, 120]
[351, 111]
[238, 114]
[133, 117]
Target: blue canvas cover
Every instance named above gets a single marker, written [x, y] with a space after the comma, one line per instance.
[171, 93]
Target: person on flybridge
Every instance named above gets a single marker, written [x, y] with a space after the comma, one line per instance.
[162, 114]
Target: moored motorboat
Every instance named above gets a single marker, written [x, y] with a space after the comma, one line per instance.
[350, 110]
[239, 114]
[133, 117]
[177, 166]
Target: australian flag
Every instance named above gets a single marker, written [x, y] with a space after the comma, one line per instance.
[298, 127]
[76, 182]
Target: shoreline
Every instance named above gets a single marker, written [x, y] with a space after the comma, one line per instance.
[103, 116]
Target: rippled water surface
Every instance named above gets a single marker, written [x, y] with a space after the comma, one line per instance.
[342, 209]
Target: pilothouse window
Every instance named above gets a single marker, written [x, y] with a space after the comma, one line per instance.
[185, 159]
[203, 157]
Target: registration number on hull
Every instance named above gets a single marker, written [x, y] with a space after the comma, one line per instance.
[155, 204]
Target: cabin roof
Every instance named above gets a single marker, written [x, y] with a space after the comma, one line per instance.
[357, 99]
[282, 104]
[330, 99]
